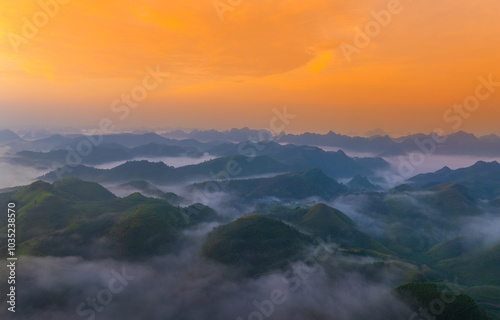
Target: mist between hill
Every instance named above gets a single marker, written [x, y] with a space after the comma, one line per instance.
[249, 149]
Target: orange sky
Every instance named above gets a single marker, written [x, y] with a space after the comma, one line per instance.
[263, 55]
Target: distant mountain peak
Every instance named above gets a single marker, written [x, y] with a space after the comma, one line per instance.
[340, 151]
[445, 169]
[484, 164]
[361, 183]
[8, 136]
[462, 135]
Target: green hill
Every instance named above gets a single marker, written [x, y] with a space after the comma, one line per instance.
[78, 190]
[43, 208]
[300, 185]
[40, 210]
[417, 219]
[144, 230]
[200, 213]
[143, 187]
[488, 297]
[333, 225]
[448, 249]
[255, 243]
[421, 295]
[149, 189]
[477, 267]
[289, 186]
[73, 217]
[452, 200]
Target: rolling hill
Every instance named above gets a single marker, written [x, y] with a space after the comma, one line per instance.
[420, 296]
[255, 243]
[160, 173]
[331, 225]
[482, 179]
[289, 186]
[74, 217]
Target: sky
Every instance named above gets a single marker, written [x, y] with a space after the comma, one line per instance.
[346, 66]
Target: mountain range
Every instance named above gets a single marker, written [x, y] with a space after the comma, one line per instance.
[459, 143]
[482, 179]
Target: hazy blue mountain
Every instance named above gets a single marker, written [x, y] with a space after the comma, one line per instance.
[132, 170]
[460, 143]
[335, 164]
[360, 183]
[163, 150]
[239, 135]
[410, 221]
[159, 172]
[103, 153]
[235, 166]
[132, 140]
[375, 145]
[39, 145]
[8, 136]
[482, 179]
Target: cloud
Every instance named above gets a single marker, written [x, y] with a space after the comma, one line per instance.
[484, 228]
[256, 39]
[184, 285]
[15, 175]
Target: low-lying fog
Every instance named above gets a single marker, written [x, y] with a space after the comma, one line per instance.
[430, 163]
[15, 175]
[402, 168]
[433, 163]
[183, 285]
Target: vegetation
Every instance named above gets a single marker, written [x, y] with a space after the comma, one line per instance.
[476, 267]
[290, 186]
[70, 216]
[255, 243]
[425, 295]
